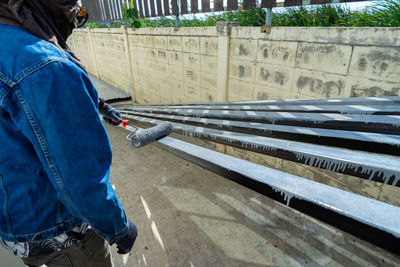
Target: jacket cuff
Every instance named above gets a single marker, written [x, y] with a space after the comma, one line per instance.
[102, 103]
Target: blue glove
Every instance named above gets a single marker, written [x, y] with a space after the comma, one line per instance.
[125, 243]
[110, 114]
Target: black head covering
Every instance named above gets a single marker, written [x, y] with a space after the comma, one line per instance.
[51, 20]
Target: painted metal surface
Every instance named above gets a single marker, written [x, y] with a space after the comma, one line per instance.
[369, 166]
[389, 100]
[388, 124]
[260, 128]
[345, 109]
[371, 212]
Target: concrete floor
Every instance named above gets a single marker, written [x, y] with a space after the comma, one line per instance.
[188, 216]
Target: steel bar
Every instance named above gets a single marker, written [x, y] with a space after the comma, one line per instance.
[343, 109]
[205, 6]
[369, 123]
[389, 100]
[364, 165]
[194, 6]
[232, 4]
[376, 214]
[373, 142]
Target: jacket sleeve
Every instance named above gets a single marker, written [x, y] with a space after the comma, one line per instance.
[60, 118]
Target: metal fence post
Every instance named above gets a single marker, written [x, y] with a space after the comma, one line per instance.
[268, 16]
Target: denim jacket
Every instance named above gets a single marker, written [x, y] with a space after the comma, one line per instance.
[55, 154]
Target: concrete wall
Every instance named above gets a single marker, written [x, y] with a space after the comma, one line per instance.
[230, 63]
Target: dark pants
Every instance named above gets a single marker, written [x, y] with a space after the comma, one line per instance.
[91, 251]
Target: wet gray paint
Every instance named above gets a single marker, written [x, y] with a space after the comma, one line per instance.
[368, 211]
[333, 159]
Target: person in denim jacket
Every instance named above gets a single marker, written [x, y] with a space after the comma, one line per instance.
[57, 204]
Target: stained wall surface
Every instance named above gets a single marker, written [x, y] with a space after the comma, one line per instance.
[231, 63]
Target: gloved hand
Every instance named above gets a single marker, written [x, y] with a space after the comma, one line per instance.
[110, 114]
[125, 243]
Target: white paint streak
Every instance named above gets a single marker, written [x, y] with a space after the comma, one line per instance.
[337, 116]
[226, 112]
[245, 210]
[310, 107]
[157, 234]
[251, 113]
[363, 108]
[205, 111]
[378, 98]
[305, 131]
[144, 259]
[125, 258]
[246, 107]
[286, 115]
[273, 107]
[146, 207]
[199, 129]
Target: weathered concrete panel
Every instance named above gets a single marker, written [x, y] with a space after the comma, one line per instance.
[175, 73]
[242, 70]
[191, 44]
[175, 58]
[150, 41]
[191, 76]
[209, 64]
[191, 60]
[162, 56]
[151, 54]
[318, 84]
[265, 92]
[331, 58]
[192, 92]
[208, 95]
[160, 42]
[388, 36]
[165, 87]
[280, 53]
[208, 81]
[84, 51]
[240, 90]
[177, 87]
[274, 76]
[161, 69]
[175, 43]
[113, 62]
[362, 87]
[243, 49]
[137, 40]
[380, 63]
[209, 46]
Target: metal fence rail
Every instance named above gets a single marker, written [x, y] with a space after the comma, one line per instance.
[109, 10]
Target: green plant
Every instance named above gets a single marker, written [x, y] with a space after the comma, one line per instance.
[130, 13]
[92, 25]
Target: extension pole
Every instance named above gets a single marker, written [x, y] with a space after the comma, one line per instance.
[177, 21]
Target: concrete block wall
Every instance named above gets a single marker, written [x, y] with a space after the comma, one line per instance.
[313, 63]
[230, 63]
[174, 66]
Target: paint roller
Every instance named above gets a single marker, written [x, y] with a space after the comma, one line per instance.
[141, 137]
